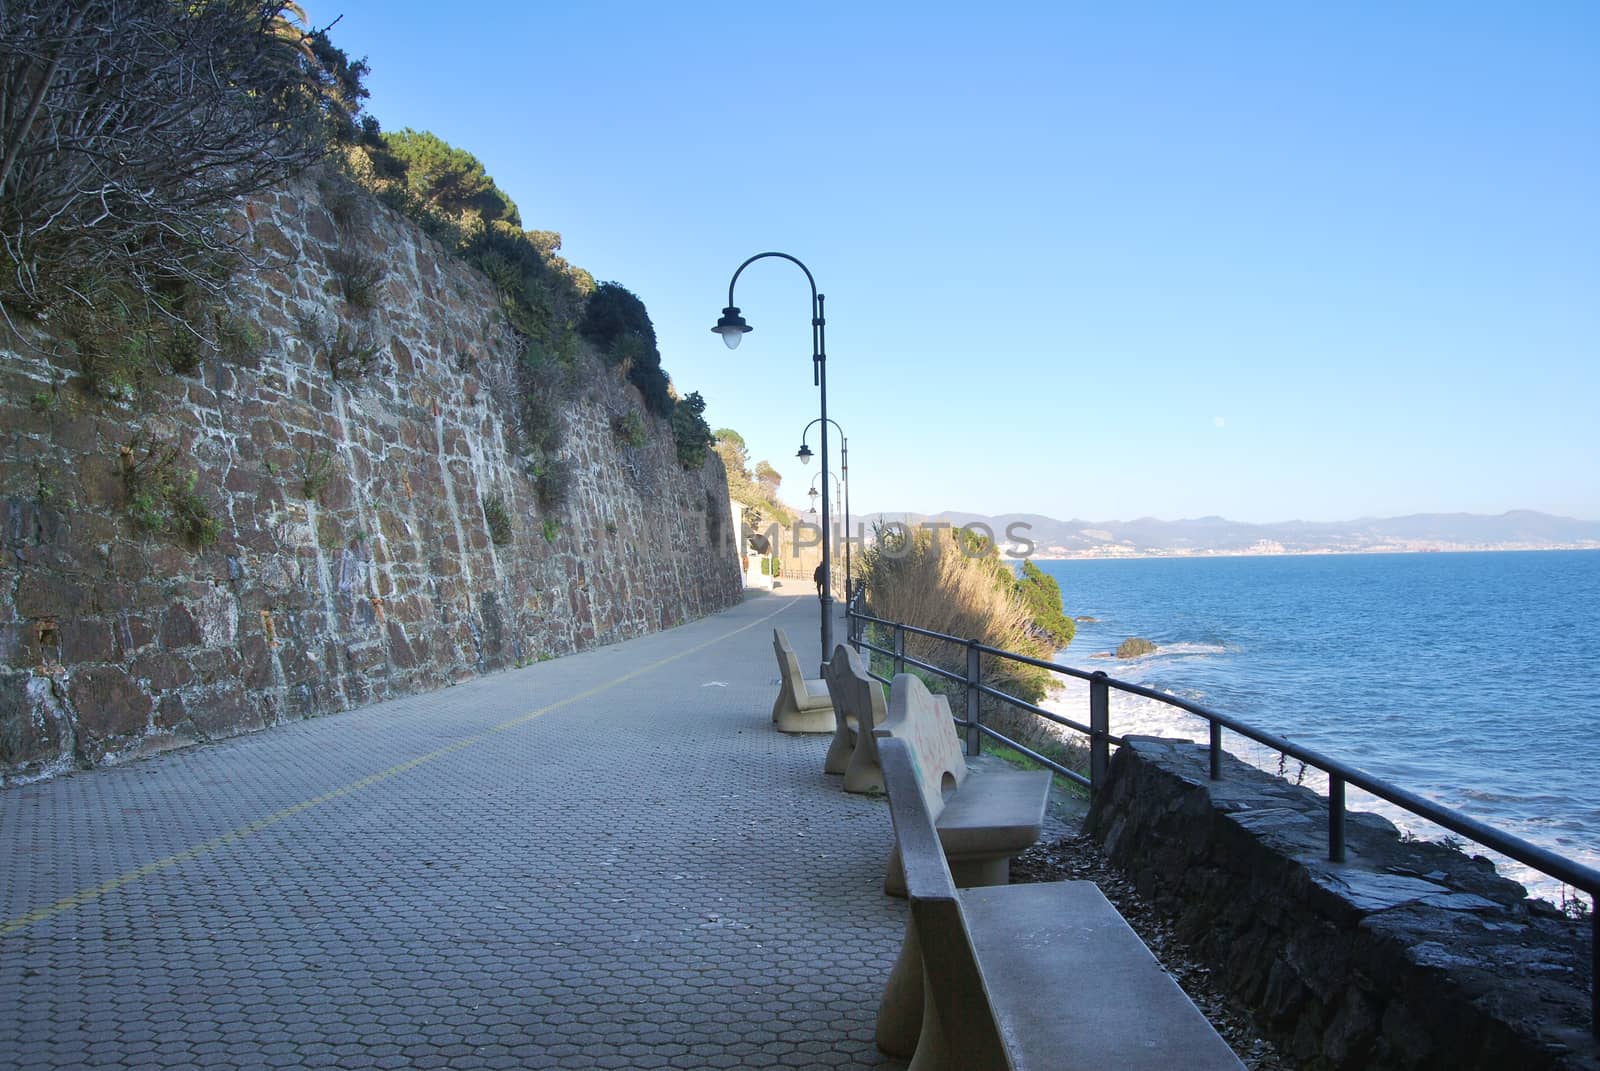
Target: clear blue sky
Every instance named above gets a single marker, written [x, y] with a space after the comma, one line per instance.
[1259, 260]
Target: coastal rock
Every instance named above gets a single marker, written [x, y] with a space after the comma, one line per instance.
[1406, 955]
[1086, 620]
[1134, 646]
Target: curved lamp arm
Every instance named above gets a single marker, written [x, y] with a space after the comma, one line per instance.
[732, 326]
[804, 453]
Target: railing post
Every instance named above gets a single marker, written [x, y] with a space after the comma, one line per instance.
[1099, 730]
[974, 736]
[899, 649]
[1594, 964]
[1216, 750]
[1335, 818]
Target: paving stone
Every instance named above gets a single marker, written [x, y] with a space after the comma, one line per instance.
[590, 862]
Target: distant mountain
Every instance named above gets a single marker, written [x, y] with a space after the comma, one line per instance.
[1147, 536]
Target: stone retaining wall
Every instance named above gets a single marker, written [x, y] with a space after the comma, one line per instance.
[385, 580]
[1409, 955]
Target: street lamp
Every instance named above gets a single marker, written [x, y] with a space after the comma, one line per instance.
[732, 327]
[805, 456]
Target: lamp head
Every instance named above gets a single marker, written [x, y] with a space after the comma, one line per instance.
[804, 455]
[732, 327]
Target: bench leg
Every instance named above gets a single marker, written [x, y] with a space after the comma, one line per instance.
[968, 873]
[933, 1051]
[863, 774]
[900, 1011]
[972, 873]
[839, 752]
[894, 875]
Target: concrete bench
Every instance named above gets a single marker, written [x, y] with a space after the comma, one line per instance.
[858, 709]
[983, 820]
[802, 705]
[1016, 977]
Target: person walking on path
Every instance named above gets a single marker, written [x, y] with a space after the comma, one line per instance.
[821, 577]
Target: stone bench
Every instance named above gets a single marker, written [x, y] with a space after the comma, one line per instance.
[858, 709]
[1024, 976]
[984, 820]
[802, 705]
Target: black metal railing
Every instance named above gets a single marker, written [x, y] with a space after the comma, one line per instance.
[1098, 730]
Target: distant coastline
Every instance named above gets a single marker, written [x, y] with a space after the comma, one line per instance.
[1032, 535]
[1111, 554]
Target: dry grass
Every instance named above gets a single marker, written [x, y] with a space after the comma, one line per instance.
[934, 585]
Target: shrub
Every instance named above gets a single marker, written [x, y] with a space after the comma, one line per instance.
[316, 470]
[615, 320]
[690, 432]
[448, 192]
[356, 275]
[498, 518]
[132, 128]
[237, 337]
[161, 498]
[552, 482]
[351, 354]
[1042, 596]
[629, 428]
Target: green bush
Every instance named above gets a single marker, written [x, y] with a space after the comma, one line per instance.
[615, 320]
[161, 498]
[498, 518]
[316, 471]
[356, 276]
[690, 431]
[1042, 596]
[552, 483]
[629, 428]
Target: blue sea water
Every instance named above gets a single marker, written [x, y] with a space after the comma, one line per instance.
[1472, 679]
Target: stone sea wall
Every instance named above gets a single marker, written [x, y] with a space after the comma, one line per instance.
[357, 556]
[1408, 955]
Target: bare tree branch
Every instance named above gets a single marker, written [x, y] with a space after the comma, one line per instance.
[129, 127]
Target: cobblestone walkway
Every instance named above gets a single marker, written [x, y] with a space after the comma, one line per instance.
[604, 861]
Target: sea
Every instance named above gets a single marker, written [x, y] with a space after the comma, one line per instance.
[1472, 679]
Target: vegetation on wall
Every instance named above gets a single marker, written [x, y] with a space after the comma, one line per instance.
[163, 498]
[132, 133]
[498, 518]
[616, 322]
[549, 303]
[129, 129]
[690, 432]
[450, 194]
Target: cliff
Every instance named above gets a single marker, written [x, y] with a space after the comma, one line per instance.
[352, 517]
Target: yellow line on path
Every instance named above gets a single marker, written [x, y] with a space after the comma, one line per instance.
[232, 836]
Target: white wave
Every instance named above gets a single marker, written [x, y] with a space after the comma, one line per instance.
[1134, 715]
[1190, 649]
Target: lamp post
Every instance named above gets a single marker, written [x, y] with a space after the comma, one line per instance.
[804, 455]
[732, 327]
